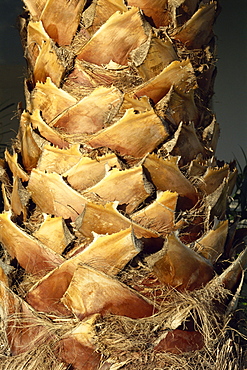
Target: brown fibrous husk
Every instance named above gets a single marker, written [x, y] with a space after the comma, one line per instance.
[131, 342]
[126, 343]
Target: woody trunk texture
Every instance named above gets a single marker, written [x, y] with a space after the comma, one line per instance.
[114, 227]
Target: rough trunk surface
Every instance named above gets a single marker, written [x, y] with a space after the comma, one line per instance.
[115, 247]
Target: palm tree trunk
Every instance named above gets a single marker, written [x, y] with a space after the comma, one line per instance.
[114, 228]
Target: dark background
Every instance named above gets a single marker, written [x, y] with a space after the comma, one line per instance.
[230, 99]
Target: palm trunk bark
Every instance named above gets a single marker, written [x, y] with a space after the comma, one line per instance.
[114, 226]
